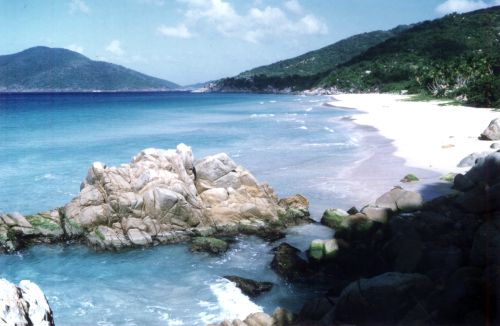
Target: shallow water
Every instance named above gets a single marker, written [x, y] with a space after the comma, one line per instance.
[164, 285]
[47, 143]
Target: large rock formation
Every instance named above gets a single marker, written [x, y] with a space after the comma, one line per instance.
[24, 305]
[161, 196]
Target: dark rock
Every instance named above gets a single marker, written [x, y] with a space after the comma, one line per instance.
[288, 264]
[495, 146]
[248, 286]
[492, 132]
[208, 244]
[463, 293]
[462, 183]
[352, 211]
[439, 262]
[384, 299]
[486, 245]
[477, 200]
[314, 309]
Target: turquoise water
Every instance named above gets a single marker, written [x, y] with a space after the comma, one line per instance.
[47, 143]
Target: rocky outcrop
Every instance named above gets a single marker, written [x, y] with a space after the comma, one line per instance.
[24, 305]
[492, 132]
[161, 196]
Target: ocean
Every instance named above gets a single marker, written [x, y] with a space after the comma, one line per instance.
[48, 141]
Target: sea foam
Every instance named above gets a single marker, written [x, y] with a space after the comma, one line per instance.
[233, 304]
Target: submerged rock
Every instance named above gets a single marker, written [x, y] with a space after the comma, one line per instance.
[280, 317]
[24, 305]
[250, 287]
[210, 245]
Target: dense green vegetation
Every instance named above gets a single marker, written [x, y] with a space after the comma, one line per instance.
[324, 59]
[456, 57]
[50, 69]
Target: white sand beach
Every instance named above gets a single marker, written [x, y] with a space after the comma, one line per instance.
[426, 135]
[428, 138]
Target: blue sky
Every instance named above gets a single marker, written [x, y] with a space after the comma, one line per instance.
[188, 41]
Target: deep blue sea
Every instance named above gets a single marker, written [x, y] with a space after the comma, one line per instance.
[48, 141]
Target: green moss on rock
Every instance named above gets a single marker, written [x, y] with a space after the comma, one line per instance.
[410, 178]
[334, 218]
[39, 222]
[323, 249]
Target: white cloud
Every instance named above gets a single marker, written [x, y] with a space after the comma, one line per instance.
[115, 48]
[78, 6]
[461, 6]
[76, 48]
[294, 6]
[253, 26]
[179, 31]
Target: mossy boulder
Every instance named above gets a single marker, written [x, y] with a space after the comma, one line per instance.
[410, 178]
[334, 218]
[323, 249]
[209, 244]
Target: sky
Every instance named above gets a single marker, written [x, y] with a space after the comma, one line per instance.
[191, 41]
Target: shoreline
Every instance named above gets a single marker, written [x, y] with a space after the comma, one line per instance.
[421, 138]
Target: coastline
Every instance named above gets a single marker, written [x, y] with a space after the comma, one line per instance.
[403, 137]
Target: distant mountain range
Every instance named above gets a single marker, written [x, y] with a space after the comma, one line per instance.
[44, 69]
[457, 56]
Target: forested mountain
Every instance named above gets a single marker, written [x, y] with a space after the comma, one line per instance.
[325, 58]
[457, 56]
[53, 69]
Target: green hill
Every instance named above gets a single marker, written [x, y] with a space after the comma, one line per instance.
[457, 56]
[52, 69]
[326, 58]
[304, 71]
